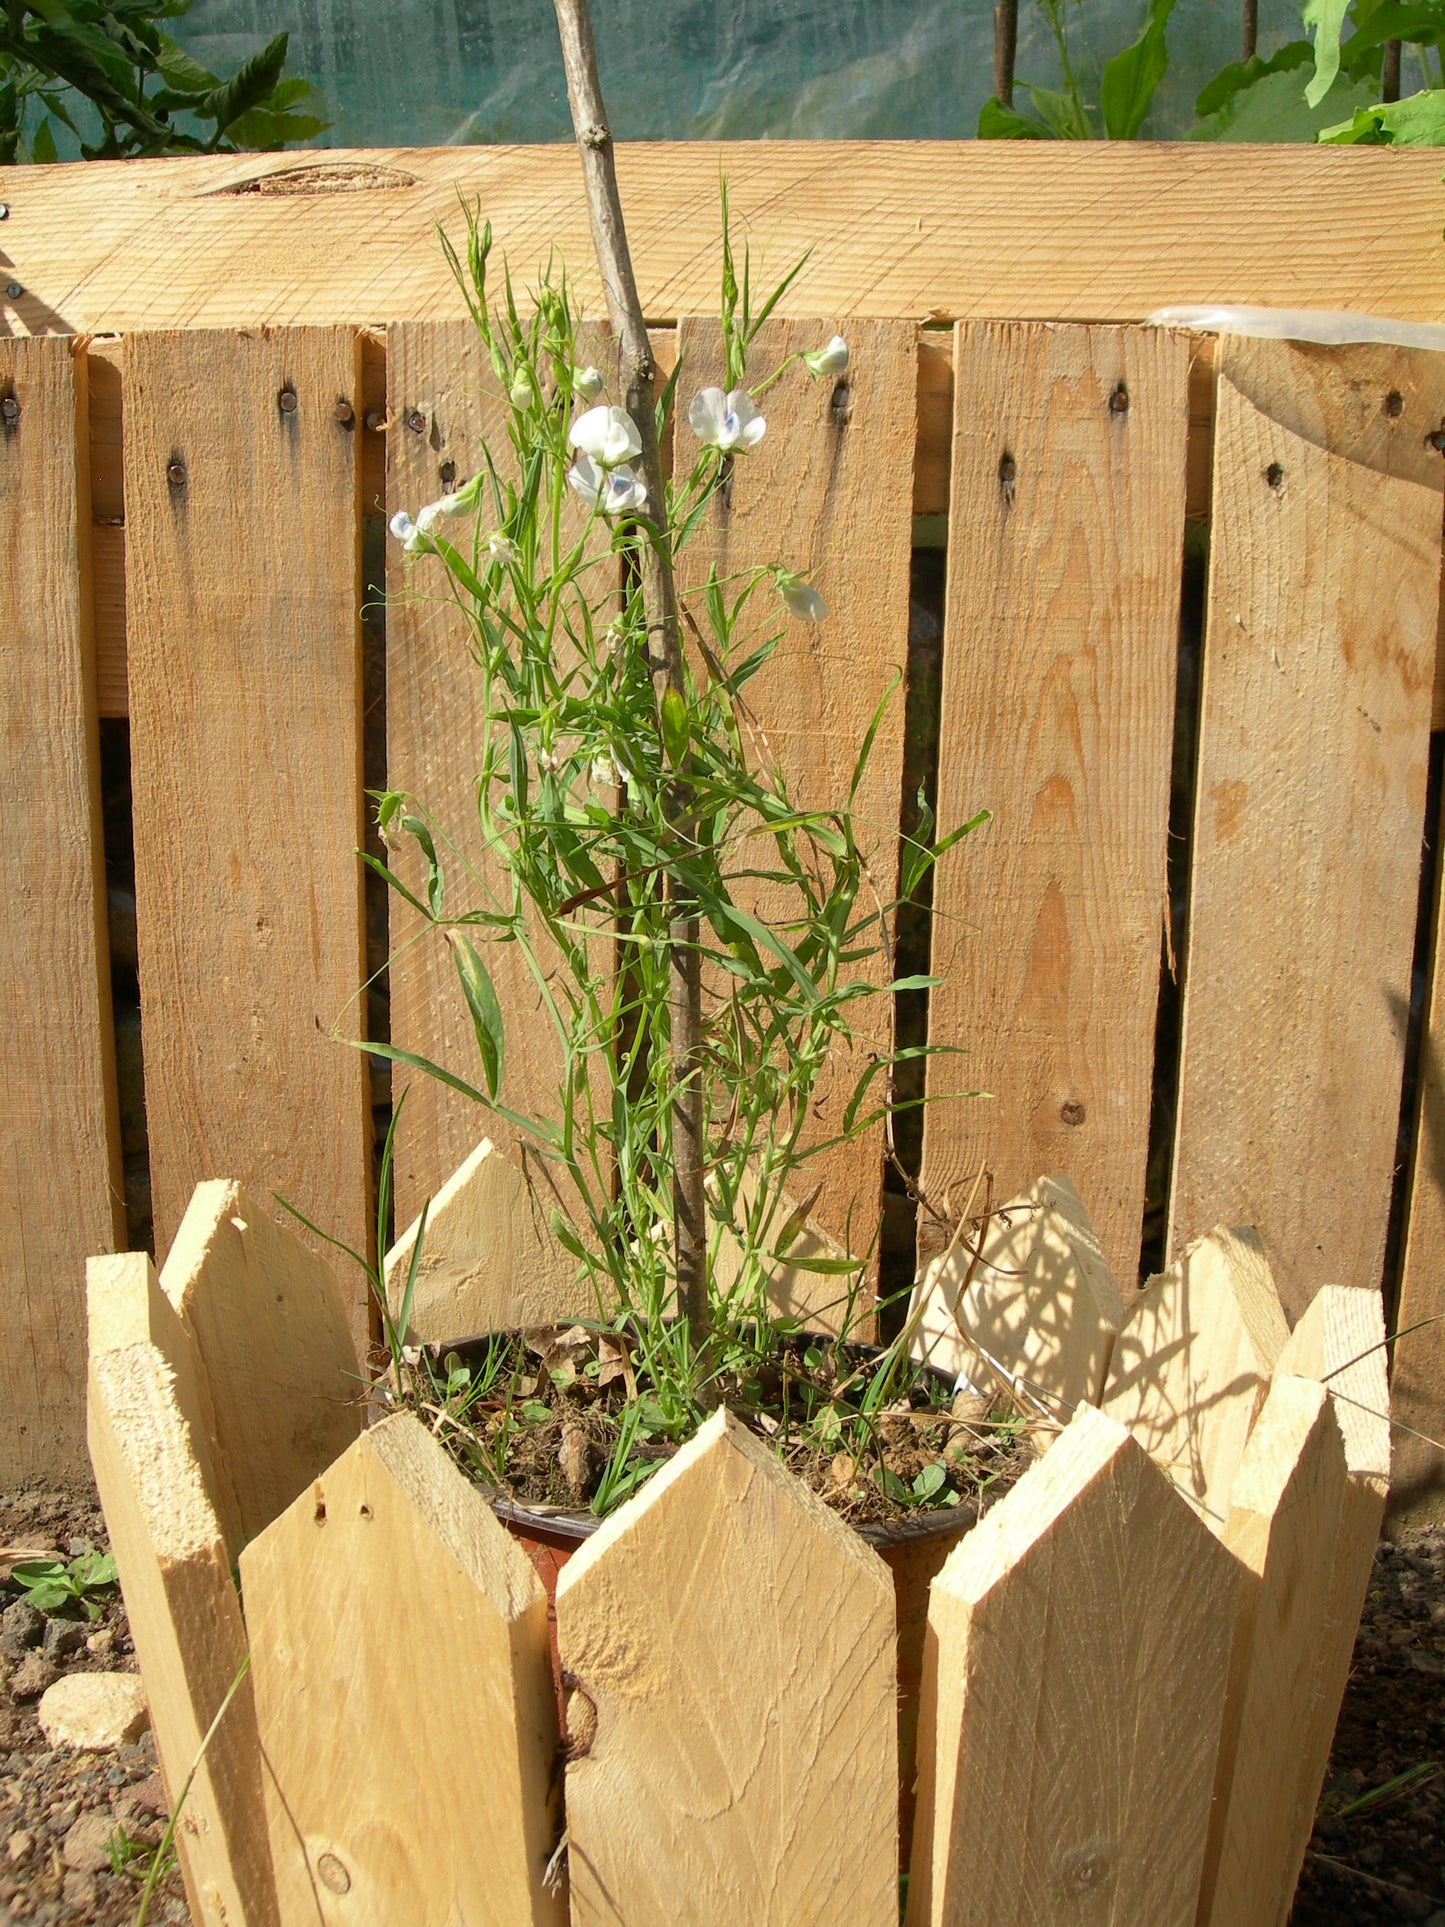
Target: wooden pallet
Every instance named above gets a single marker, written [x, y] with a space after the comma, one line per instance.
[222, 611]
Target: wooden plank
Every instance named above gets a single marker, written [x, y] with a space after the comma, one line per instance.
[1417, 1380]
[1074, 1684]
[1283, 1523]
[839, 453]
[185, 1620]
[1040, 1304]
[60, 1193]
[269, 1323]
[248, 891]
[1090, 231]
[732, 1739]
[1310, 796]
[444, 405]
[489, 1261]
[1193, 1362]
[1060, 640]
[1340, 1340]
[933, 450]
[399, 1647]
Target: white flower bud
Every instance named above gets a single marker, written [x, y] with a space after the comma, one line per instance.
[801, 597]
[832, 360]
[587, 383]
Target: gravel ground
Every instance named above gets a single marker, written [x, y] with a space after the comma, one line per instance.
[1375, 1857]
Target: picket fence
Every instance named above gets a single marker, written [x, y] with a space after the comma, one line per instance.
[1130, 1668]
[219, 375]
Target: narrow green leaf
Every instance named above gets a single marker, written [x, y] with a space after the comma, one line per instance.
[486, 1012]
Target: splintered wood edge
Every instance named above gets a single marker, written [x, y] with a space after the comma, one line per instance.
[456, 1514]
[723, 1432]
[135, 1390]
[124, 1302]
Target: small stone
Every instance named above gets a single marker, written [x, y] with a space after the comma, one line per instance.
[102, 1644]
[94, 1712]
[31, 1677]
[577, 1457]
[62, 1636]
[842, 1468]
[20, 1846]
[79, 1890]
[86, 1846]
[21, 1627]
[150, 1796]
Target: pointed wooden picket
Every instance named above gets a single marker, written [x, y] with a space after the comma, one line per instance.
[404, 1698]
[732, 1728]
[1073, 1691]
[1283, 1523]
[1340, 1340]
[185, 1620]
[1193, 1362]
[1041, 1303]
[269, 1320]
[489, 1260]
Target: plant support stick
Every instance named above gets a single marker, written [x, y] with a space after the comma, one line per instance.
[1005, 49]
[659, 593]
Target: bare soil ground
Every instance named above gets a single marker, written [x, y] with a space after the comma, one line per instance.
[1377, 1856]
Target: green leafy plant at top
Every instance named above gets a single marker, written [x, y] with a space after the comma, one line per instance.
[578, 854]
[106, 73]
[54, 1586]
[1125, 87]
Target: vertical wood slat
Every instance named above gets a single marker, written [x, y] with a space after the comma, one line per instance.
[148, 1413]
[1059, 653]
[733, 1749]
[1319, 657]
[1283, 1530]
[242, 574]
[829, 489]
[1417, 1378]
[1074, 1684]
[404, 1697]
[60, 1193]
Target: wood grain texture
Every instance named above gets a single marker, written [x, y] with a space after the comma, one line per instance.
[404, 1698]
[1283, 1522]
[1309, 804]
[733, 1745]
[60, 1194]
[1094, 231]
[1340, 1340]
[268, 1320]
[839, 455]
[1417, 1382]
[1040, 1304]
[1193, 1362]
[1089, 1611]
[1059, 650]
[185, 1620]
[245, 688]
[489, 1261]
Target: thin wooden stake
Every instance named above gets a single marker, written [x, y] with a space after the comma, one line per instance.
[1005, 48]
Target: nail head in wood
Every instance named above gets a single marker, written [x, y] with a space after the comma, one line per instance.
[1394, 404]
[286, 401]
[1072, 1111]
[345, 413]
[14, 290]
[1274, 475]
[1119, 401]
[9, 411]
[176, 474]
[416, 421]
[1008, 471]
[332, 1872]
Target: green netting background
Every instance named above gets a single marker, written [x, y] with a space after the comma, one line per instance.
[428, 72]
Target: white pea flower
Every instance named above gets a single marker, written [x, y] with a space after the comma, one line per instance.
[607, 435]
[801, 597]
[615, 491]
[726, 421]
[501, 549]
[548, 763]
[604, 773]
[832, 360]
[411, 533]
[587, 383]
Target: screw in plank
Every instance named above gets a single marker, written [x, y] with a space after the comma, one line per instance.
[13, 290]
[1274, 475]
[1119, 401]
[1436, 440]
[176, 474]
[345, 413]
[416, 421]
[1072, 1111]
[4, 210]
[9, 411]
[1394, 404]
[447, 475]
[286, 401]
[372, 421]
